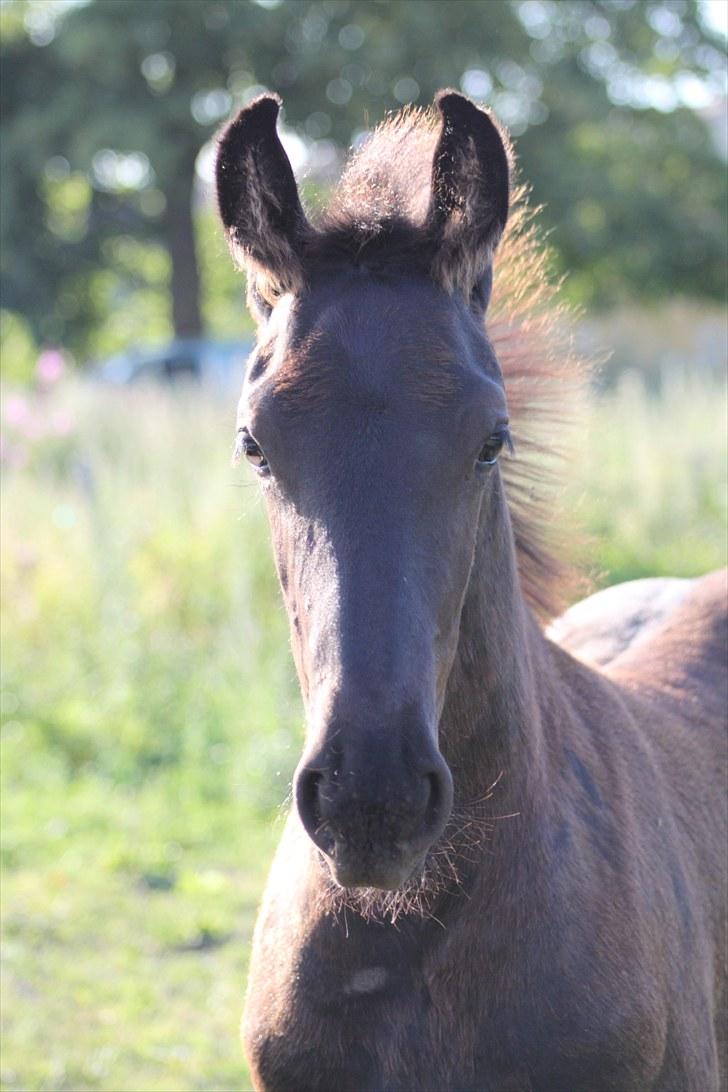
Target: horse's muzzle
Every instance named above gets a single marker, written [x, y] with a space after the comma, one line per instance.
[376, 819]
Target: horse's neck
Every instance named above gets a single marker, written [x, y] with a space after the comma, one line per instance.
[492, 725]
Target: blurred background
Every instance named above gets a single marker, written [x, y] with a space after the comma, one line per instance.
[150, 713]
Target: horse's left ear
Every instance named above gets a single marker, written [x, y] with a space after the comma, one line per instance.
[470, 192]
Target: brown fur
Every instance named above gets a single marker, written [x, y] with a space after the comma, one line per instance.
[303, 380]
[583, 956]
[378, 211]
[571, 970]
[567, 929]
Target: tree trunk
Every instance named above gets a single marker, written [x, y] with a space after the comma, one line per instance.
[180, 239]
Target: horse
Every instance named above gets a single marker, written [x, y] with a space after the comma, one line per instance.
[504, 866]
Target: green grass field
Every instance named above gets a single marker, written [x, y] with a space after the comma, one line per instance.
[151, 717]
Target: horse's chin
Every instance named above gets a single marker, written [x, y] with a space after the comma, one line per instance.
[389, 874]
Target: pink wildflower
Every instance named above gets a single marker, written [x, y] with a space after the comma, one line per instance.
[16, 411]
[50, 367]
[61, 422]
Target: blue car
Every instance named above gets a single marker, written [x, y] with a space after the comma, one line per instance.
[216, 363]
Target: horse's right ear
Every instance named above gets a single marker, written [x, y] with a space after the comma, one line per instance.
[258, 197]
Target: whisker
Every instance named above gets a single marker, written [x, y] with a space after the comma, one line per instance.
[448, 864]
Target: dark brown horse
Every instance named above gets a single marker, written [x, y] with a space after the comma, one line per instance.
[504, 868]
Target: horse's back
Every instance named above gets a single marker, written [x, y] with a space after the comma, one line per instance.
[664, 643]
[598, 629]
[670, 631]
[688, 649]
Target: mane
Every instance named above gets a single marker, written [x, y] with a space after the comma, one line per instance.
[377, 211]
[545, 380]
[388, 179]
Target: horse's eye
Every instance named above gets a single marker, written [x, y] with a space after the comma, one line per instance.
[250, 448]
[491, 449]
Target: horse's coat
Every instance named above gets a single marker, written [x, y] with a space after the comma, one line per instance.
[506, 865]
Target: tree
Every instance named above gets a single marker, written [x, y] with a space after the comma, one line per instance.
[103, 124]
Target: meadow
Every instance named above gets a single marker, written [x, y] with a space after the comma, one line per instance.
[151, 716]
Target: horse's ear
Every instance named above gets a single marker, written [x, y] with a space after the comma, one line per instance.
[258, 198]
[470, 191]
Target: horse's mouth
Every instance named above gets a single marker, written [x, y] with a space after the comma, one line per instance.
[381, 872]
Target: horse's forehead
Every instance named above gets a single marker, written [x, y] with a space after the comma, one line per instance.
[381, 341]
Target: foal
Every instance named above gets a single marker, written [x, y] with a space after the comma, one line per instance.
[503, 868]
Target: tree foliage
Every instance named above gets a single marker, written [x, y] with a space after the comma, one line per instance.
[106, 106]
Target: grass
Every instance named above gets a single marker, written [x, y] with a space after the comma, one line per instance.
[649, 481]
[151, 717]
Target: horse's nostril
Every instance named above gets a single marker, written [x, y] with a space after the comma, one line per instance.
[439, 803]
[308, 801]
[307, 792]
[434, 795]
[351, 817]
